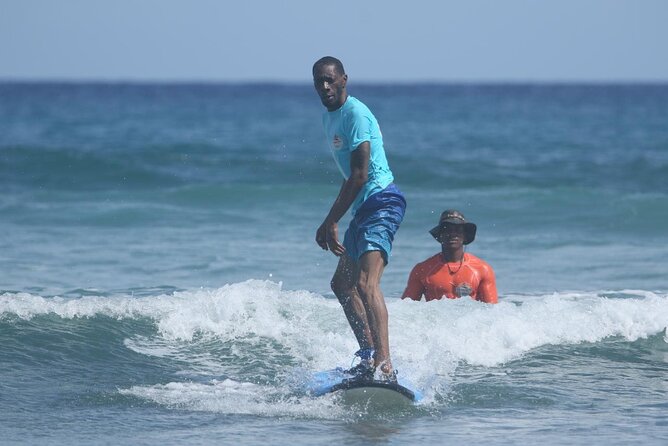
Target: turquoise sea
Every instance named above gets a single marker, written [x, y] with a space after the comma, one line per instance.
[160, 283]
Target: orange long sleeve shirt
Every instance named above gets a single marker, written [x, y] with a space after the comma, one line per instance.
[434, 278]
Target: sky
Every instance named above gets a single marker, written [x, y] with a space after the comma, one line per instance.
[378, 41]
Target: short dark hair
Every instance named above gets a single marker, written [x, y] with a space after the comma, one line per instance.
[329, 60]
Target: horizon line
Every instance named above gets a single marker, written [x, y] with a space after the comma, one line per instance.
[244, 82]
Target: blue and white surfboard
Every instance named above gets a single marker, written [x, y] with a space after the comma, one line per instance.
[336, 380]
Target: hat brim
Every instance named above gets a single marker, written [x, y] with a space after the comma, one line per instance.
[469, 230]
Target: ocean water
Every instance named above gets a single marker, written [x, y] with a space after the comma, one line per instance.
[160, 283]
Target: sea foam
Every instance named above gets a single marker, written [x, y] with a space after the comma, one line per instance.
[429, 340]
[466, 330]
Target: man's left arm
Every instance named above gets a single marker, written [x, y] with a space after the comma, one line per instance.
[487, 288]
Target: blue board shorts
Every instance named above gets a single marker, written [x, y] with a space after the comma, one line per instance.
[375, 223]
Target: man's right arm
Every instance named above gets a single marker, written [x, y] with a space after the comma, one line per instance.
[414, 289]
[327, 233]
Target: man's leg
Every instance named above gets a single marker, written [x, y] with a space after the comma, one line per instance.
[371, 269]
[343, 285]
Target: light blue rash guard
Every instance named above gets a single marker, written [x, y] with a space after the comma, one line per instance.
[345, 129]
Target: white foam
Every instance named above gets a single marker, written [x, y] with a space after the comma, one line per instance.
[314, 329]
[491, 335]
[234, 397]
[251, 310]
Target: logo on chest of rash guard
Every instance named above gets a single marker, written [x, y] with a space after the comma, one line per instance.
[463, 289]
[337, 142]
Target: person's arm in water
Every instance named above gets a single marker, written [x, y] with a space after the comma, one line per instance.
[414, 288]
[327, 236]
[487, 288]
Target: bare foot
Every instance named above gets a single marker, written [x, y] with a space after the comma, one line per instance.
[385, 366]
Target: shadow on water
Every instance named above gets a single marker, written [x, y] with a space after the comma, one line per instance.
[376, 421]
[374, 431]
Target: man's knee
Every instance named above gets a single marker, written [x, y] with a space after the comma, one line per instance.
[367, 289]
[341, 288]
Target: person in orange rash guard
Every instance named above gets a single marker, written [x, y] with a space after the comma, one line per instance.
[452, 273]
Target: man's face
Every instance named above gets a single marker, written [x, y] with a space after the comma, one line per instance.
[452, 235]
[330, 85]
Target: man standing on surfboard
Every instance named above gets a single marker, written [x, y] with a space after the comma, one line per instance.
[452, 273]
[378, 208]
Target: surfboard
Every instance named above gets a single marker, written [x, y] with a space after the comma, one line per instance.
[355, 390]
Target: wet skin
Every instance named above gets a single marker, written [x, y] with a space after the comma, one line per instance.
[451, 238]
[330, 86]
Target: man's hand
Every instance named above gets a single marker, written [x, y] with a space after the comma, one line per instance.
[327, 237]
[321, 237]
